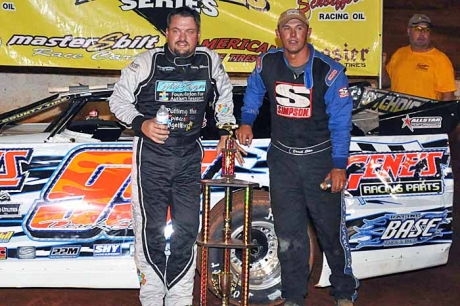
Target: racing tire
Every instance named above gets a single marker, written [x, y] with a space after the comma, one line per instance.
[264, 269]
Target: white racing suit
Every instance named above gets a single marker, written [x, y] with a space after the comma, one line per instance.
[167, 175]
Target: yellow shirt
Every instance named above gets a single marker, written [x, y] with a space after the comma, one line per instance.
[422, 74]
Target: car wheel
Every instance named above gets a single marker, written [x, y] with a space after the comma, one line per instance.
[264, 269]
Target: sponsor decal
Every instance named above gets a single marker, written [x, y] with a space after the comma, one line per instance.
[223, 108]
[424, 67]
[242, 58]
[396, 173]
[4, 196]
[8, 6]
[155, 11]
[13, 165]
[400, 229]
[206, 7]
[396, 103]
[133, 66]
[142, 278]
[5, 237]
[343, 92]
[27, 252]
[10, 210]
[181, 118]
[332, 75]
[421, 123]
[183, 91]
[110, 41]
[235, 43]
[307, 6]
[401, 188]
[258, 63]
[352, 56]
[293, 100]
[70, 251]
[332, 16]
[181, 87]
[165, 68]
[3, 253]
[341, 16]
[88, 196]
[107, 249]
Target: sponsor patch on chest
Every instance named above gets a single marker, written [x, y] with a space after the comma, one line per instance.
[180, 91]
[292, 100]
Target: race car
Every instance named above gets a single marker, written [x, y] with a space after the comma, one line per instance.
[65, 187]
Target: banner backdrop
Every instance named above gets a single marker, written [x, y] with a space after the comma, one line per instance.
[107, 34]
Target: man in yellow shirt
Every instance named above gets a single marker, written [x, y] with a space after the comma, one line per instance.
[420, 69]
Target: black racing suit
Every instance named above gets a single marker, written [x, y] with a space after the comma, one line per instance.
[168, 174]
[310, 124]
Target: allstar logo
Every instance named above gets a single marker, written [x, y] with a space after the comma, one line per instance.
[407, 122]
[421, 123]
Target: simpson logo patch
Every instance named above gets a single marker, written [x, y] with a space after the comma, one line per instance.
[343, 92]
[292, 100]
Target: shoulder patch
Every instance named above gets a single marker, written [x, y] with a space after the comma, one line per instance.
[332, 75]
[133, 67]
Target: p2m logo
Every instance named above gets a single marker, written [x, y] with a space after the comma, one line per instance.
[12, 170]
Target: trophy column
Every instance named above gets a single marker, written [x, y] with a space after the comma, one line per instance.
[224, 283]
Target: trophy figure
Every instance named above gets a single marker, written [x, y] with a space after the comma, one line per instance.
[228, 152]
[223, 284]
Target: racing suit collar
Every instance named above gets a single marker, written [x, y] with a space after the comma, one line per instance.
[308, 77]
[177, 60]
[309, 68]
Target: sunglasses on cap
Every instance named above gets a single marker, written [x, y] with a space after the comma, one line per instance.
[420, 29]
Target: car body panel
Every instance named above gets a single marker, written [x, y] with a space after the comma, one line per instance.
[65, 214]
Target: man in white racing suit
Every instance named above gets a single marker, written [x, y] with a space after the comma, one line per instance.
[167, 157]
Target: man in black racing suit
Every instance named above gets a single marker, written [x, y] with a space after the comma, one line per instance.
[167, 157]
[311, 111]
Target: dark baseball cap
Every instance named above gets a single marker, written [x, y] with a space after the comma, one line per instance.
[292, 14]
[418, 19]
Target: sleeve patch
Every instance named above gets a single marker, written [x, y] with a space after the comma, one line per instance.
[343, 92]
[223, 108]
[133, 66]
[258, 63]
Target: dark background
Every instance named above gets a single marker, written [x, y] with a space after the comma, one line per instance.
[444, 14]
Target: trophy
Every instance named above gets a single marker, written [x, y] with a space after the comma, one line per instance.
[228, 152]
[223, 284]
